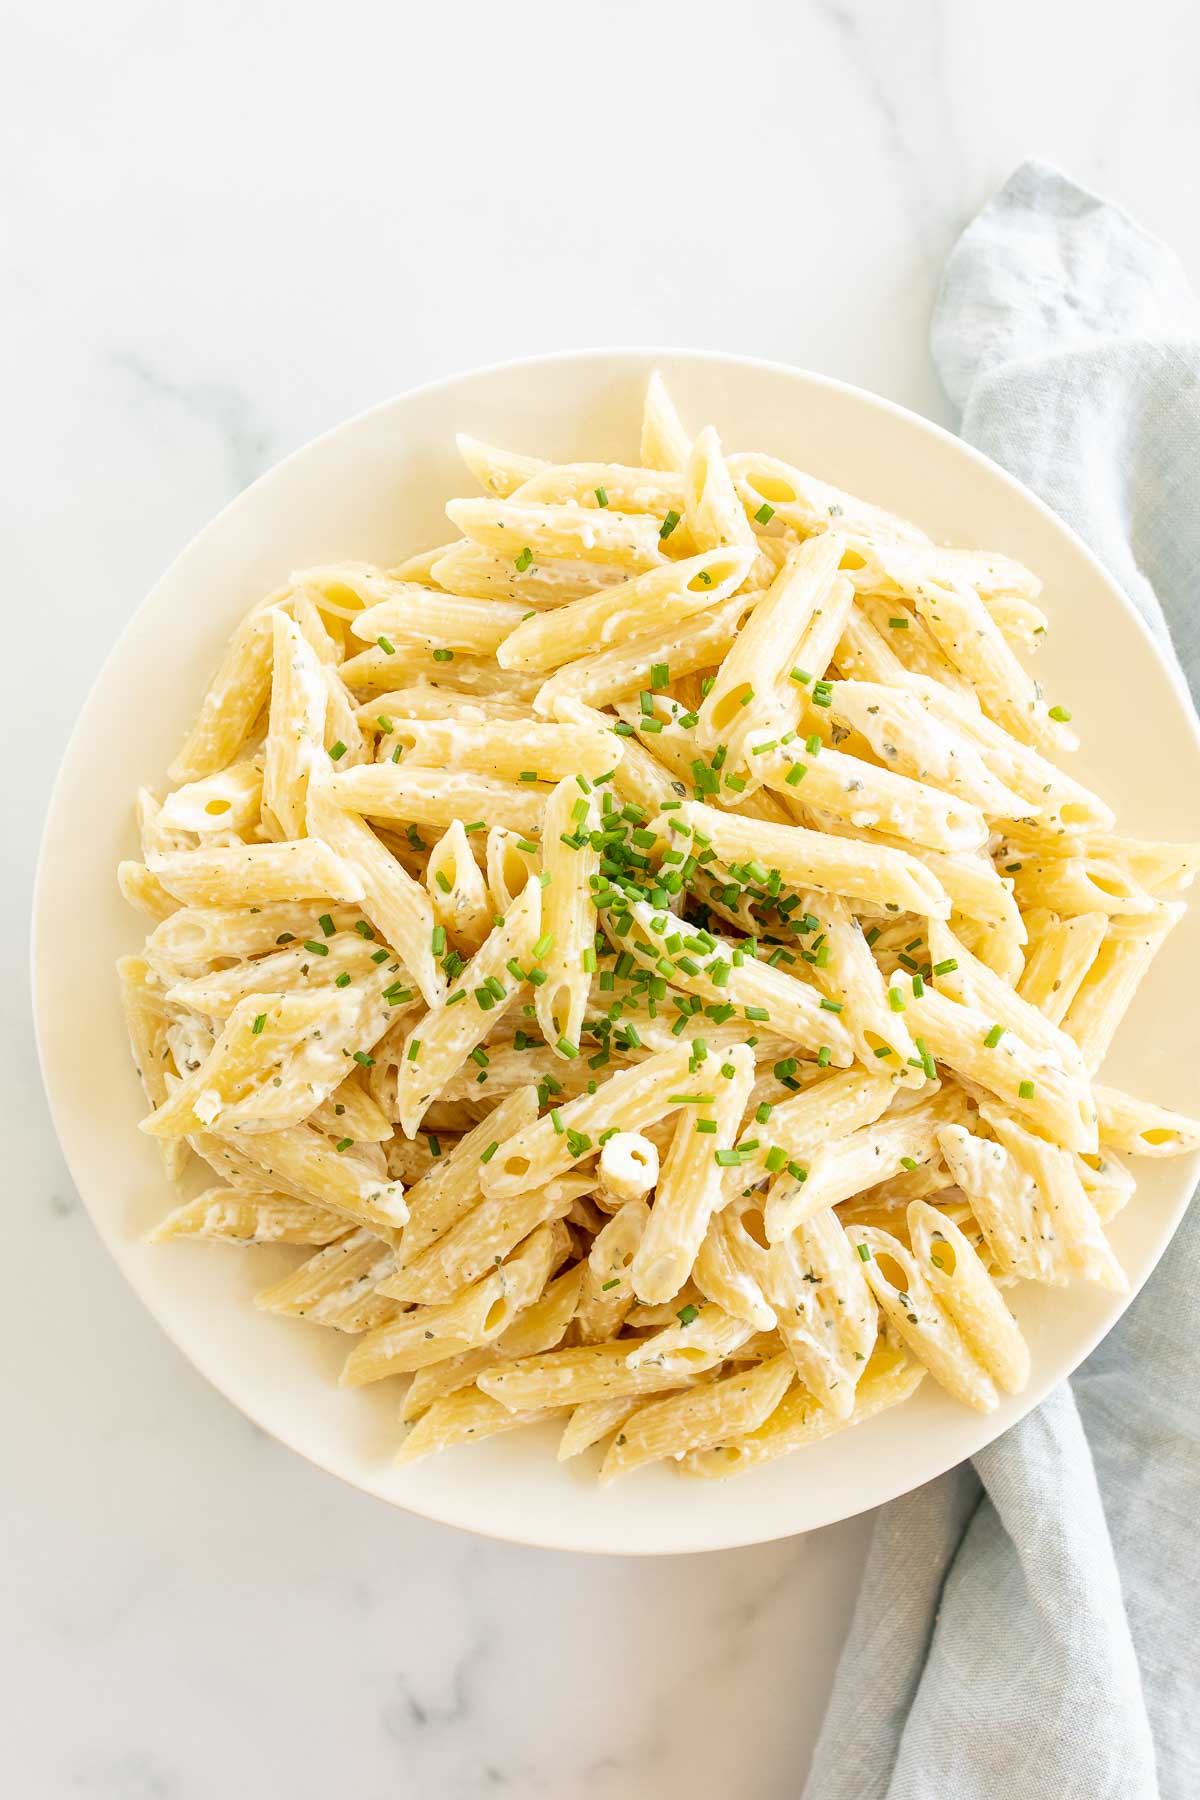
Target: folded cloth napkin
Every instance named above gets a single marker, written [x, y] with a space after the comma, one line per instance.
[1029, 1624]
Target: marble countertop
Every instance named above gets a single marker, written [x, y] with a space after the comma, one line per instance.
[231, 226]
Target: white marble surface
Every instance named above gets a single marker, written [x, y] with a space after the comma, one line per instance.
[230, 226]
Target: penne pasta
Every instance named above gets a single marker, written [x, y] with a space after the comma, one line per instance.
[646, 953]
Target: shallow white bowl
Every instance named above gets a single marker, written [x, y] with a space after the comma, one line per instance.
[374, 489]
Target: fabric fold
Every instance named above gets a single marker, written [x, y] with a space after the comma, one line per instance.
[1029, 1624]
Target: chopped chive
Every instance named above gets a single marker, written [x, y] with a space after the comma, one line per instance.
[763, 1112]
[485, 1156]
[1059, 714]
[687, 1314]
[363, 1060]
[796, 774]
[524, 560]
[317, 949]
[258, 1024]
[764, 515]
[606, 1285]
[898, 624]
[726, 1159]
[909, 1163]
[414, 1049]
[601, 497]
[993, 1037]
[776, 1159]
[397, 753]
[343, 980]
[927, 1062]
[443, 656]
[543, 945]
[343, 1144]
[823, 1055]
[707, 1127]
[443, 881]
[337, 750]
[801, 675]
[363, 929]
[556, 1120]
[386, 645]
[864, 1251]
[894, 1000]
[326, 924]
[669, 523]
[1025, 1091]
[947, 967]
[833, 1006]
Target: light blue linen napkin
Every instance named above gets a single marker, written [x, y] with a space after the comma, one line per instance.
[1029, 1624]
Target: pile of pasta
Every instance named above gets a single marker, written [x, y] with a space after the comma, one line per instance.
[647, 955]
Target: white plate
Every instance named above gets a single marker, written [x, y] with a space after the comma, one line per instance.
[374, 489]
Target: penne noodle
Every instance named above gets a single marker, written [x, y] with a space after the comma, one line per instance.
[664, 595]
